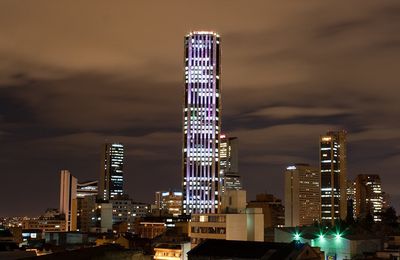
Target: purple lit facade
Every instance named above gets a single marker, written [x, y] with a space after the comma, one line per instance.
[202, 123]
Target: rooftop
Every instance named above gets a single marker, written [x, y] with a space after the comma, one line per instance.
[245, 249]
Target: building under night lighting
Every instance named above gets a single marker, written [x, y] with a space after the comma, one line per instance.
[68, 200]
[368, 196]
[88, 188]
[111, 176]
[302, 195]
[333, 176]
[169, 202]
[229, 170]
[201, 123]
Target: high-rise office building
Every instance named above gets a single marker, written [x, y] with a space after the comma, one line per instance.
[302, 195]
[229, 170]
[201, 123]
[111, 176]
[68, 201]
[333, 176]
[368, 196]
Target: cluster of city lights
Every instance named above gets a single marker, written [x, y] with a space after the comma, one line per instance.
[337, 235]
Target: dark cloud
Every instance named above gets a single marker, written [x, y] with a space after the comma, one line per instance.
[74, 75]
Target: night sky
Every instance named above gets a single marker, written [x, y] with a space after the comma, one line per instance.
[74, 75]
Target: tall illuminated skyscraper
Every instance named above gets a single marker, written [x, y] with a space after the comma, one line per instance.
[111, 171]
[201, 123]
[333, 176]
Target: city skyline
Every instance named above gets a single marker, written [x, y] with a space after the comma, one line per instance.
[71, 80]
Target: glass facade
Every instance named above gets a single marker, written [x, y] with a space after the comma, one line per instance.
[229, 172]
[112, 179]
[333, 176]
[201, 123]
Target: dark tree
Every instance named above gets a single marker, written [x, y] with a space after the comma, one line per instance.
[369, 220]
[350, 219]
[389, 218]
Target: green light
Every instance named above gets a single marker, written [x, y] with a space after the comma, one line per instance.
[296, 236]
[321, 236]
[338, 236]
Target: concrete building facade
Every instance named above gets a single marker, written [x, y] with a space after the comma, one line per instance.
[302, 195]
[169, 202]
[272, 208]
[68, 200]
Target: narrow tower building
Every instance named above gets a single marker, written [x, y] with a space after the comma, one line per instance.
[111, 181]
[333, 163]
[201, 123]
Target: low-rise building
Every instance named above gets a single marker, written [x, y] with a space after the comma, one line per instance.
[246, 226]
[150, 229]
[251, 250]
[50, 221]
[102, 218]
[235, 222]
[335, 244]
[66, 239]
[272, 208]
[86, 212]
[168, 202]
[171, 251]
[46, 225]
[31, 234]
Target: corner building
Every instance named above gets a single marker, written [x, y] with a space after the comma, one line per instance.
[201, 123]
